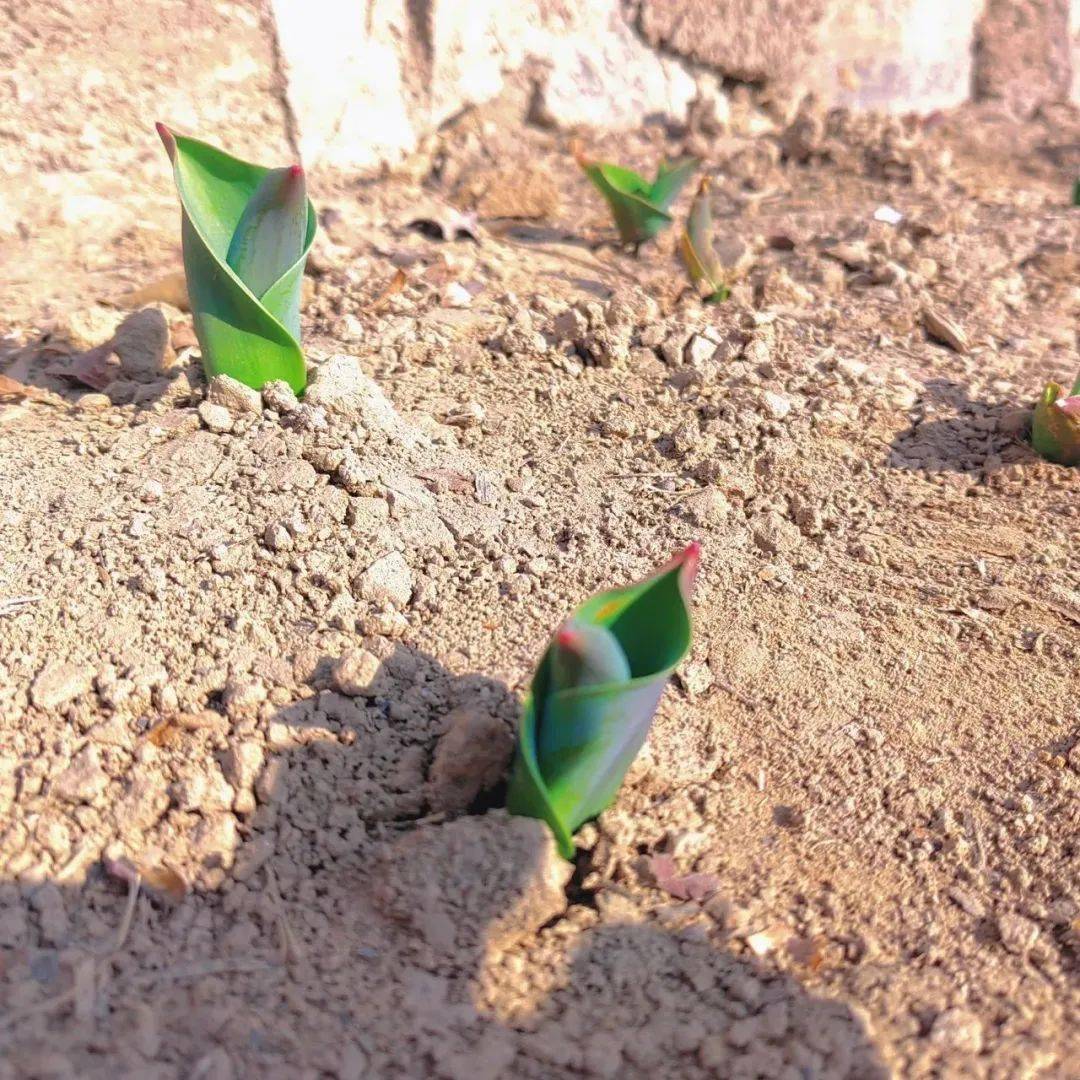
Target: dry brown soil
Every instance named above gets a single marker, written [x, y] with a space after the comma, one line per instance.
[271, 659]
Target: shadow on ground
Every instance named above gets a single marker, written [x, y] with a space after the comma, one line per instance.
[134, 364]
[954, 433]
[349, 927]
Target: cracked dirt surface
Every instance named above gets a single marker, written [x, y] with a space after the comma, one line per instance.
[270, 653]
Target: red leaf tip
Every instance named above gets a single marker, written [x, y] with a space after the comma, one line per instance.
[688, 561]
[566, 637]
[296, 170]
[167, 138]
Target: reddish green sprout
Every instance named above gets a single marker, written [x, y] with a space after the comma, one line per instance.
[593, 697]
[246, 233]
[1055, 427]
[697, 252]
[640, 209]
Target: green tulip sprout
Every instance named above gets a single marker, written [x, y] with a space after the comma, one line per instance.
[246, 232]
[640, 209]
[697, 252]
[593, 697]
[1055, 427]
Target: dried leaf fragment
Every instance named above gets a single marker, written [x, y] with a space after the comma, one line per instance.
[397, 284]
[682, 886]
[170, 289]
[945, 330]
[162, 881]
[13, 390]
[807, 952]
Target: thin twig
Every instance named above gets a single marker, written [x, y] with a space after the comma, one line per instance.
[129, 913]
[12, 1018]
[291, 948]
[12, 604]
[198, 971]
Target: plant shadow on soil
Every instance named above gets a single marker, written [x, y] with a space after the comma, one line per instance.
[965, 441]
[343, 935]
[50, 363]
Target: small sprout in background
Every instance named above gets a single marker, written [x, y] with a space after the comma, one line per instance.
[1055, 427]
[640, 209]
[697, 252]
[246, 232]
[593, 697]
[1076, 192]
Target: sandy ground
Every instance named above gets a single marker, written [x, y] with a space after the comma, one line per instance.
[261, 663]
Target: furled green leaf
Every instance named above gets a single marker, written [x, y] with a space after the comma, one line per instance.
[593, 697]
[696, 249]
[640, 209]
[243, 279]
[1076, 193]
[271, 230]
[671, 178]
[583, 653]
[1055, 427]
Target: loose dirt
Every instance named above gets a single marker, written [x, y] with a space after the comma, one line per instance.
[262, 659]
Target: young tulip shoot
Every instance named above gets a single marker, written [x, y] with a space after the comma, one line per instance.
[697, 252]
[1055, 427]
[593, 697]
[246, 232]
[640, 209]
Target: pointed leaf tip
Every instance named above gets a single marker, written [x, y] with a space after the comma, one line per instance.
[566, 637]
[269, 236]
[167, 138]
[689, 561]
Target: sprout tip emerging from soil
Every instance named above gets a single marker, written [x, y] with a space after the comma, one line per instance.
[697, 252]
[594, 694]
[640, 208]
[246, 233]
[1055, 427]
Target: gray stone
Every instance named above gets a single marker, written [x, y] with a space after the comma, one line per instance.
[700, 351]
[48, 902]
[142, 342]
[242, 696]
[959, 1030]
[1017, 933]
[776, 405]
[276, 537]
[279, 396]
[341, 388]
[215, 417]
[205, 791]
[241, 763]
[471, 756]
[357, 673]
[233, 395]
[388, 581]
[60, 682]
[83, 780]
[599, 73]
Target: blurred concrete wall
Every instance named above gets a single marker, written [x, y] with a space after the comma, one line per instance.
[366, 78]
[356, 83]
